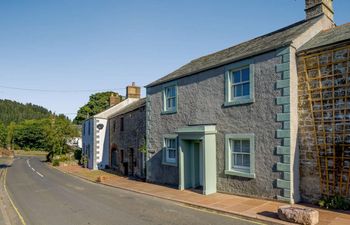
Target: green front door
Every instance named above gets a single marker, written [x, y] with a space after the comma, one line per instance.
[197, 157]
[192, 167]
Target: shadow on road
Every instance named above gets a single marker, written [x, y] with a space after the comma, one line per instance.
[3, 166]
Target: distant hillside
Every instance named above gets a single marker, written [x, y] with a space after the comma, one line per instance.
[17, 112]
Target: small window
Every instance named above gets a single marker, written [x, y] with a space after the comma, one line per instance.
[170, 98]
[240, 159]
[170, 150]
[122, 124]
[239, 83]
[240, 155]
[84, 125]
[170, 155]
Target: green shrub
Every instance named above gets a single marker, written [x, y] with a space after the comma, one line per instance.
[63, 158]
[55, 162]
[334, 202]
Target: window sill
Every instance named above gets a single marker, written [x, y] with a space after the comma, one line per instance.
[239, 102]
[240, 174]
[169, 164]
[168, 112]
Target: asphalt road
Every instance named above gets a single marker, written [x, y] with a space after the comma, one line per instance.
[45, 196]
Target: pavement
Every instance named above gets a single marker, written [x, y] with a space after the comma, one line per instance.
[263, 210]
[45, 196]
[8, 214]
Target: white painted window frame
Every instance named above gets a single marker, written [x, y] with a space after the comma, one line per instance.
[229, 69]
[166, 109]
[166, 160]
[229, 170]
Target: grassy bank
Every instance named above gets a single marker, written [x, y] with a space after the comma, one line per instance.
[30, 153]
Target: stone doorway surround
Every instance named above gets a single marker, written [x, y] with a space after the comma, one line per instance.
[207, 135]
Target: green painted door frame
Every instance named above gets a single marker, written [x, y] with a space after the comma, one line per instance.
[206, 134]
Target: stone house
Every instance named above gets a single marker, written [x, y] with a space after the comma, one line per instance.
[95, 130]
[127, 140]
[228, 121]
[324, 114]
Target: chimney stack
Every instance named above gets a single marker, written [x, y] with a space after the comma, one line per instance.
[314, 8]
[114, 99]
[133, 91]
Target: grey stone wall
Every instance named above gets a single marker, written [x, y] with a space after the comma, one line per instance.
[131, 138]
[200, 101]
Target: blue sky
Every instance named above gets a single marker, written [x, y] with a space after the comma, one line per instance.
[105, 44]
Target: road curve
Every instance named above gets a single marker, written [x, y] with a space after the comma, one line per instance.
[45, 196]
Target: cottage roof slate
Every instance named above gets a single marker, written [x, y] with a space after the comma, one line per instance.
[115, 109]
[132, 106]
[327, 37]
[259, 45]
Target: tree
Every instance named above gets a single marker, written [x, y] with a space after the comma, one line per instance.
[59, 130]
[2, 135]
[97, 103]
[10, 134]
[12, 111]
[30, 134]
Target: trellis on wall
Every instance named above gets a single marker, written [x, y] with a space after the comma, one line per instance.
[324, 111]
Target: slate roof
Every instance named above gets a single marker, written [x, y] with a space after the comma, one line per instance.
[328, 37]
[132, 106]
[259, 45]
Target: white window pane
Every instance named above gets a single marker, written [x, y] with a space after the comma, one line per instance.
[245, 89]
[236, 76]
[237, 146]
[238, 90]
[246, 146]
[246, 160]
[245, 74]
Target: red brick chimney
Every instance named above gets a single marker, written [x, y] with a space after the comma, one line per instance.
[133, 91]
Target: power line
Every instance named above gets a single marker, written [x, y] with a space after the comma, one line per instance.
[59, 91]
